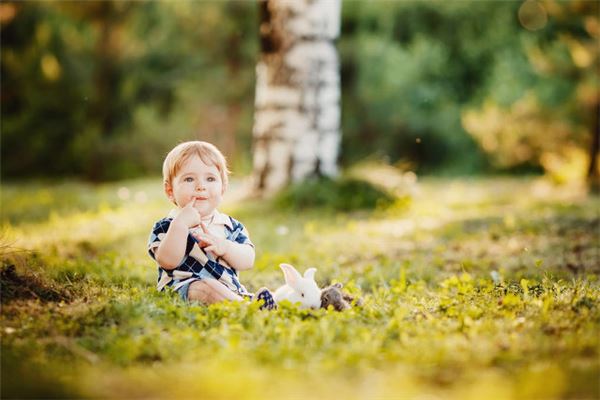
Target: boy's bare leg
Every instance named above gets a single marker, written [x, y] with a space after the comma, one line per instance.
[209, 291]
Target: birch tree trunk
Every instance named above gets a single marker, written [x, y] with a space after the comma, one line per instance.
[297, 107]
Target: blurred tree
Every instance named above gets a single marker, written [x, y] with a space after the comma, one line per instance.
[103, 89]
[70, 90]
[408, 69]
[296, 128]
[37, 83]
[553, 119]
[108, 111]
[231, 86]
[93, 88]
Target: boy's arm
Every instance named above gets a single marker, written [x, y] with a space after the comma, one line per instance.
[171, 249]
[239, 256]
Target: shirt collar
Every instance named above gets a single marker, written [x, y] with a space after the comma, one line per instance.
[222, 219]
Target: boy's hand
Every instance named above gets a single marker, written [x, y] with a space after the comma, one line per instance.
[188, 215]
[209, 242]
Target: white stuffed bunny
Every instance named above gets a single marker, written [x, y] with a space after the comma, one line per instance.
[299, 289]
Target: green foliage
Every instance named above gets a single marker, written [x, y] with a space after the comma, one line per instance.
[546, 114]
[479, 289]
[410, 68]
[343, 194]
[88, 83]
[101, 90]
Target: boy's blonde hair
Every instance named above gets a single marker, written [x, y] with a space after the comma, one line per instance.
[207, 152]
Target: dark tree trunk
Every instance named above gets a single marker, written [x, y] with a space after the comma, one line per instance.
[593, 175]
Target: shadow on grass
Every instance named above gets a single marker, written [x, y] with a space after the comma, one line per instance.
[27, 286]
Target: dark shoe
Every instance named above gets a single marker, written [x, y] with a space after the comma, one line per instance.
[268, 301]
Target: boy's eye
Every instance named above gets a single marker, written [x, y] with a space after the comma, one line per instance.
[188, 179]
[211, 179]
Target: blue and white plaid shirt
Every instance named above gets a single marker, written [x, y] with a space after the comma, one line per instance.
[198, 264]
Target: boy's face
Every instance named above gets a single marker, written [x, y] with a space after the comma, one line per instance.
[199, 182]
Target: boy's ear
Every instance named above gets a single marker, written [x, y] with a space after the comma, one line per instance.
[223, 188]
[169, 191]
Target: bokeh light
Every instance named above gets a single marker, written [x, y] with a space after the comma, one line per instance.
[532, 15]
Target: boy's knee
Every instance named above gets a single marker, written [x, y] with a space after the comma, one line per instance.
[210, 291]
[200, 291]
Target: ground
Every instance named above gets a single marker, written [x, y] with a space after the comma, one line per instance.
[480, 288]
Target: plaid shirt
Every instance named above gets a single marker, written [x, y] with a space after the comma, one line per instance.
[196, 263]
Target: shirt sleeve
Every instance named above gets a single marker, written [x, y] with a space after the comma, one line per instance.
[158, 233]
[159, 230]
[239, 233]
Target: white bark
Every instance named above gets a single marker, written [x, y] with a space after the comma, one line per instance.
[297, 118]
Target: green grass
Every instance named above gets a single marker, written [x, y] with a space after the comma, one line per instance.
[474, 289]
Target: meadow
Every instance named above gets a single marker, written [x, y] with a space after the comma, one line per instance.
[471, 289]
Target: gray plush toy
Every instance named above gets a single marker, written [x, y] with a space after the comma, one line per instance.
[333, 295]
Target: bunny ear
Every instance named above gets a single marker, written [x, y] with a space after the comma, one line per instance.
[310, 273]
[338, 285]
[290, 274]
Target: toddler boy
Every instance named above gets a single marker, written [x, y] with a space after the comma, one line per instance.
[198, 249]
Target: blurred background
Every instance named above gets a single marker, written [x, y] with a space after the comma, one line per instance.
[474, 288]
[102, 90]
